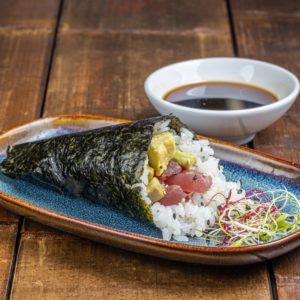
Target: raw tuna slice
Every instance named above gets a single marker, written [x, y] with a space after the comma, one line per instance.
[174, 195]
[191, 181]
[173, 169]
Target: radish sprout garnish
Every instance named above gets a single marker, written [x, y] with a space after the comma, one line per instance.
[260, 216]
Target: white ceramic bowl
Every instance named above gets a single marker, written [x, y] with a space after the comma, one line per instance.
[237, 126]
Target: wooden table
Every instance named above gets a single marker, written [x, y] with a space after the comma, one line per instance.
[92, 57]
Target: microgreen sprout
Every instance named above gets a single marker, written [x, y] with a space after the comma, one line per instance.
[260, 216]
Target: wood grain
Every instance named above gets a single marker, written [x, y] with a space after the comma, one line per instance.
[23, 58]
[103, 53]
[287, 272]
[6, 217]
[178, 16]
[7, 243]
[26, 36]
[106, 72]
[29, 14]
[106, 50]
[24, 55]
[269, 30]
[59, 266]
[276, 40]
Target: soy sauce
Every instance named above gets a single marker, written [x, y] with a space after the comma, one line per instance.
[220, 96]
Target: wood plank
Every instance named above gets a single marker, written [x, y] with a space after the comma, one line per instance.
[275, 40]
[269, 30]
[26, 32]
[59, 266]
[287, 272]
[23, 58]
[107, 71]
[6, 217]
[154, 15]
[107, 61]
[29, 14]
[26, 37]
[7, 237]
[99, 67]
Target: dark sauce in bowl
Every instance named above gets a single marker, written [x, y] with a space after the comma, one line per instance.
[220, 96]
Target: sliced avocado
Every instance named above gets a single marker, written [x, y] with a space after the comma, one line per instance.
[150, 172]
[155, 190]
[186, 160]
[161, 150]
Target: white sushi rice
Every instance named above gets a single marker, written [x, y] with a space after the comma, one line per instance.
[191, 218]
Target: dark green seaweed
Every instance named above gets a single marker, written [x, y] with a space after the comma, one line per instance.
[102, 164]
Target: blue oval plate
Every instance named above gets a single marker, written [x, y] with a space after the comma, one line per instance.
[110, 226]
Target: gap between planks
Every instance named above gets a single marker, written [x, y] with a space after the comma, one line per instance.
[270, 270]
[48, 66]
[52, 55]
[51, 58]
[231, 27]
[14, 259]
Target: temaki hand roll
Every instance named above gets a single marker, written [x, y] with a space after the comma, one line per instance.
[154, 169]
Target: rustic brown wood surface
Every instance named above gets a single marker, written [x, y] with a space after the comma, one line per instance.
[26, 36]
[99, 67]
[108, 52]
[269, 30]
[97, 63]
[53, 265]
[8, 233]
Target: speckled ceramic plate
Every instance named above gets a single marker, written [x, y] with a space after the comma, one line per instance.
[103, 224]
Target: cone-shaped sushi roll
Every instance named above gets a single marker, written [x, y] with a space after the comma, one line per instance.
[154, 169]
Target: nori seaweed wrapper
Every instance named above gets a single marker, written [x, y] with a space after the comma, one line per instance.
[104, 164]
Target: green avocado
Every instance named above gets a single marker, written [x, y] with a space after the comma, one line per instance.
[155, 190]
[150, 172]
[162, 149]
[186, 160]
